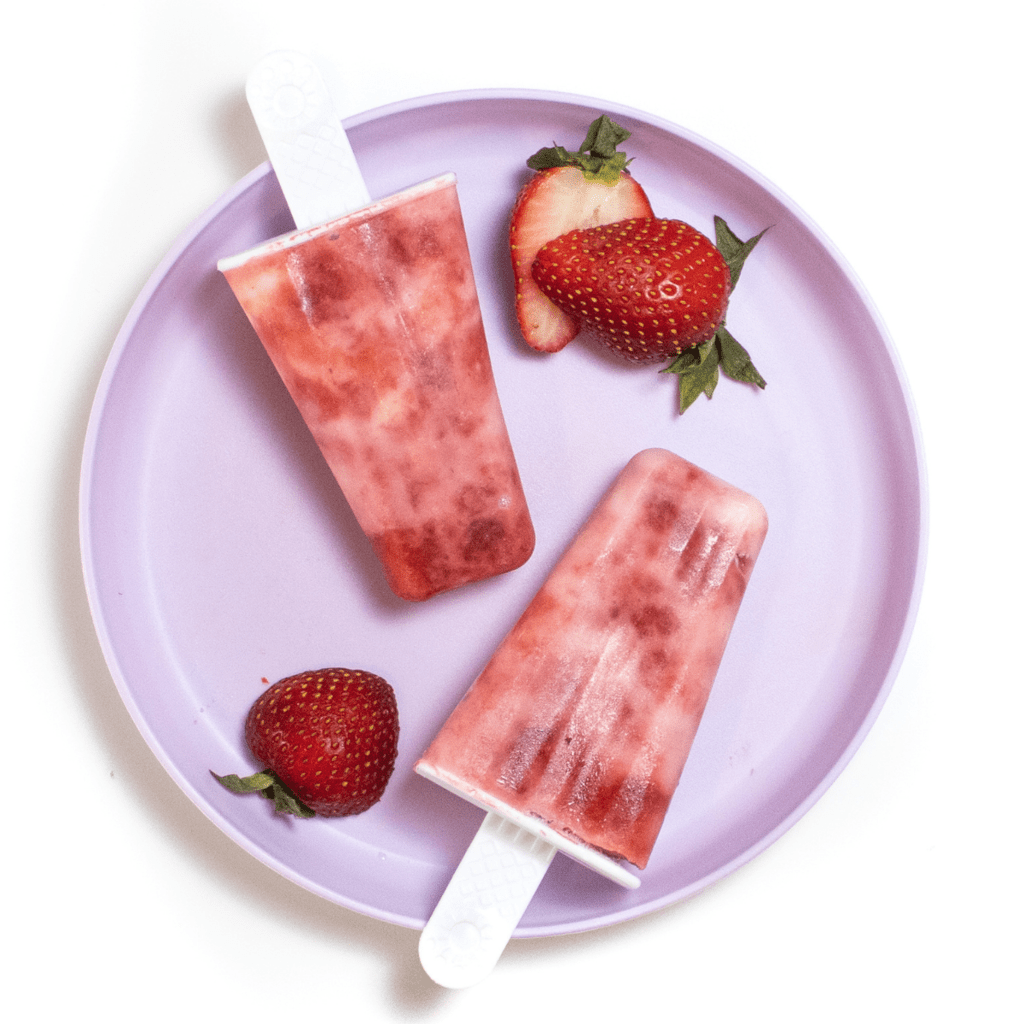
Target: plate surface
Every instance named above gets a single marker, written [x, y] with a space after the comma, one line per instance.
[218, 551]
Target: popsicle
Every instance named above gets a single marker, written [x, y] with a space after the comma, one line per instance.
[369, 312]
[575, 734]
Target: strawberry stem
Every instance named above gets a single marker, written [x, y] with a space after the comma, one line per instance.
[598, 157]
[269, 785]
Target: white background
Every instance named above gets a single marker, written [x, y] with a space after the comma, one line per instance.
[896, 125]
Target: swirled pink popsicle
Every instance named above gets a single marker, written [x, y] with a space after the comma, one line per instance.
[371, 317]
[575, 734]
[584, 717]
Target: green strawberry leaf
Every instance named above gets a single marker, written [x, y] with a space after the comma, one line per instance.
[268, 785]
[697, 370]
[598, 157]
[552, 156]
[286, 802]
[686, 360]
[733, 250]
[603, 137]
[736, 362]
[250, 784]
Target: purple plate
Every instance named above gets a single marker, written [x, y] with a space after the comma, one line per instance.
[218, 551]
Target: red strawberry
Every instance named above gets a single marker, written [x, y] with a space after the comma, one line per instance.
[570, 190]
[648, 288]
[329, 739]
[653, 289]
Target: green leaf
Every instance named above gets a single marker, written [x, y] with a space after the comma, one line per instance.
[736, 362]
[603, 137]
[598, 157]
[286, 802]
[733, 250]
[250, 784]
[686, 359]
[552, 156]
[697, 370]
[268, 785]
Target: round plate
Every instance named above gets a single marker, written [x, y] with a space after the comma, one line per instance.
[219, 552]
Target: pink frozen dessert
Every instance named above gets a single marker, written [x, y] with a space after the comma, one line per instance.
[373, 322]
[584, 717]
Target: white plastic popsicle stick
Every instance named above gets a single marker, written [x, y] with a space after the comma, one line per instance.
[305, 141]
[484, 901]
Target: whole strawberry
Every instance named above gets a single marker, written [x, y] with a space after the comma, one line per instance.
[329, 739]
[570, 189]
[649, 288]
[653, 289]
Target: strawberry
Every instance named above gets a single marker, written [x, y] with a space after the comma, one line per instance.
[648, 288]
[329, 739]
[569, 190]
[653, 289]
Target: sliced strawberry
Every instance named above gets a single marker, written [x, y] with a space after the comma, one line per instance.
[569, 191]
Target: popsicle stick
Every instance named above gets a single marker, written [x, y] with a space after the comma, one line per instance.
[484, 901]
[305, 141]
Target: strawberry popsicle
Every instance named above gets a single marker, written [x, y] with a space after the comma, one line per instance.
[373, 323]
[369, 312]
[579, 726]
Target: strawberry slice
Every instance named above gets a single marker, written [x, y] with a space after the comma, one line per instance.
[569, 191]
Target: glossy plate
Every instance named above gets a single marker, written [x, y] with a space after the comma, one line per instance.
[218, 550]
